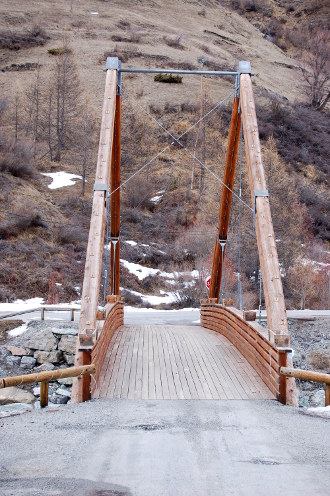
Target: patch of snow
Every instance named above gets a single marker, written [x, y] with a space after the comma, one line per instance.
[196, 321]
[61, 179]
[94, 13]
[143, 244]
[156, 199]
[20, 305]
[320, 411]
[58, 284]
[155, 300]
[131, 243]
[18, 330]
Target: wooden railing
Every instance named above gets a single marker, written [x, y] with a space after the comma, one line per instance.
[45, 377]
[252, 340]
[309, 375]
[114, 318]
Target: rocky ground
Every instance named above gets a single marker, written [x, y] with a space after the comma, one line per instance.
[310, 340]
[44, 346]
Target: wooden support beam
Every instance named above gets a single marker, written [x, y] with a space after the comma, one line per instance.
[270, 269]
[95, 247]
[226, 197]
[115, 202]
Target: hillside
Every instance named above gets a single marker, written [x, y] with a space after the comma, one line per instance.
[43, 231]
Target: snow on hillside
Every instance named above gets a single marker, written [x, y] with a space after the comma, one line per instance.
[61, 179]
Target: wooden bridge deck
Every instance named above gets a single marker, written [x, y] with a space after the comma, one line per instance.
[176, 362]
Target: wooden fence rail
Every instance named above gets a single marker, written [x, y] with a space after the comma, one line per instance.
[309, 375]
[45, 377]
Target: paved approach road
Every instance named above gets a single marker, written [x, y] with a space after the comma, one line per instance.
[165, 448]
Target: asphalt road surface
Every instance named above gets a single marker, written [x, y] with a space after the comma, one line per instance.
[165, 448]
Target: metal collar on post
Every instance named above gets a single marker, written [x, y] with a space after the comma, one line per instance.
[243, 67]
[114, 64]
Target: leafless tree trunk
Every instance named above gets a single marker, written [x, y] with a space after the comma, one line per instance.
[316, 72]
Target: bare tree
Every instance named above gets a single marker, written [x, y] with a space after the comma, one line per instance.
[61, 110]
[316, 72]
[33, 110]
[86, 143]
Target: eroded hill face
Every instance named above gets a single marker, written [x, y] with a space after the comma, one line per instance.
[44, 231]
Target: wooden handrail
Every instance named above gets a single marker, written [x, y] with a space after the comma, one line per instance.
[309, 375]
[45, 377]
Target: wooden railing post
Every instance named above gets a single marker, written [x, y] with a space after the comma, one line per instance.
[327, 395]
[283, 380]
[44, 386]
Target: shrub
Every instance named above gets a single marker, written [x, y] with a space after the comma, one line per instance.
[70, 235]
[174, 42]
[15, 159]
[36, 36]
[168, 78]
[59, 51]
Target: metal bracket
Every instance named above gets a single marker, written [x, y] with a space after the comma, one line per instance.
[114, 64]
[87, 341]
[100, 187]
[258, 192]
[243, 67]
[222, 243]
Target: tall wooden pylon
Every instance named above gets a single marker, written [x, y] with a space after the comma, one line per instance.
[270, 269]
[95, 247]
[225, 202]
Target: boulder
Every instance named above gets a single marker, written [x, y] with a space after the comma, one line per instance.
[48, 356]
[317, 398]
[320, 361]
[13, 361]
[44, 367]
[58, 399]
[42, 339]
[68, 344]
[27, 362]
[36, 391]
[15, 395]
[66, 331]
[16, 351]
[69, 358]
[64, 392]
[66, 381]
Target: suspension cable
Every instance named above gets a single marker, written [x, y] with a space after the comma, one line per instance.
[190, 153]
[178, 141]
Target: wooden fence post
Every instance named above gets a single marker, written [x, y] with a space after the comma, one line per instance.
[44, 386]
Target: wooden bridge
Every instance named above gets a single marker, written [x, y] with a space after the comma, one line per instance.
[227, 357]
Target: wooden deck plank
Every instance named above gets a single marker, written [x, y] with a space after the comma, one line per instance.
[133, 370]
[170, 366]
[177, 362]
[108, 368]
[152, 385]
[163, 371]
[145, 365]
[123, 388]
[139, 367]
[181, 384]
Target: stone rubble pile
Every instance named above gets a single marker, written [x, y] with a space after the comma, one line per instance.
[46, 345]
